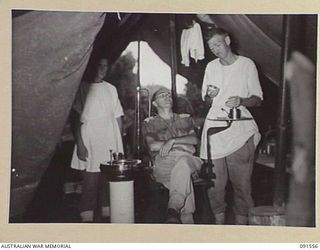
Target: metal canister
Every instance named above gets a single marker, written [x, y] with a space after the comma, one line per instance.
[235, 113]
[119, 174]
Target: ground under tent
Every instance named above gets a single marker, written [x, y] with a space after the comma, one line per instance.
[53, 51]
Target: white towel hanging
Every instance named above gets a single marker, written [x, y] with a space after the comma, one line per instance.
[191, 44]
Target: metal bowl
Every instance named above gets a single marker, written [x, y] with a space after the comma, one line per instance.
[119, 170]
[126, 162]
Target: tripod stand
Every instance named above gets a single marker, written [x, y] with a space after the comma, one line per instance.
[207, 167]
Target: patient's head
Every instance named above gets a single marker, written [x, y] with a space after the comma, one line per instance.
[162, 99]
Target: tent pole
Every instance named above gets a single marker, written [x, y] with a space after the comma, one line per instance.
[138, 125]
[173, 49]
[280, 159]
[138, 63]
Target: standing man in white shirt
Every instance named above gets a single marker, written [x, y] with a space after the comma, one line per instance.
[230, 81]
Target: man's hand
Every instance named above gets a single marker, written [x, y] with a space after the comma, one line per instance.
[82, 152]
[166, 147]
[233, 102]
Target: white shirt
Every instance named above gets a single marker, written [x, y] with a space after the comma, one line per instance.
[238, 79]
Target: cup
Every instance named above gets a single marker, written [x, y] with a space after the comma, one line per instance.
[212, 90]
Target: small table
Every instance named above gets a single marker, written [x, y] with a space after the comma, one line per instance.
[215, 130]
[227, 119]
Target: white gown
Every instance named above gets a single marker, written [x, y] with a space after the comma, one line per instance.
[100, 131]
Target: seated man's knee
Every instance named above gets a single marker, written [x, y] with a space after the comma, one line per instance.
[188, 161]
[185, 163]
[184, 159]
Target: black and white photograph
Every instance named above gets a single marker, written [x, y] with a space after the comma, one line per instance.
[153, 118]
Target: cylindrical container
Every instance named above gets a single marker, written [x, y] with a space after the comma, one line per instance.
[271, 147]
[119, 173]
[122, 202]
[234, 113]
[117, 156]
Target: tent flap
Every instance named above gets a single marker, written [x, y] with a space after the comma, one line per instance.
[51, 51]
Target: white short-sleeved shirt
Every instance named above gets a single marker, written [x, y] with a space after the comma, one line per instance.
[238, 79]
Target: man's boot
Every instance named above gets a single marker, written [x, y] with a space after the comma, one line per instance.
[173, 217]
[219, 218]
[241, 219]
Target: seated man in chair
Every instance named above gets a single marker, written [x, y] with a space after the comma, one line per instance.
[171, 140]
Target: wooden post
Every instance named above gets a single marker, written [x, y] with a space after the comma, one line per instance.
[280, 159]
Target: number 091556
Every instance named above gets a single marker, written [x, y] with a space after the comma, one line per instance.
[308, 245]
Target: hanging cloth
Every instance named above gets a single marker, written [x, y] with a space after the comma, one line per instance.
[191, 44]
